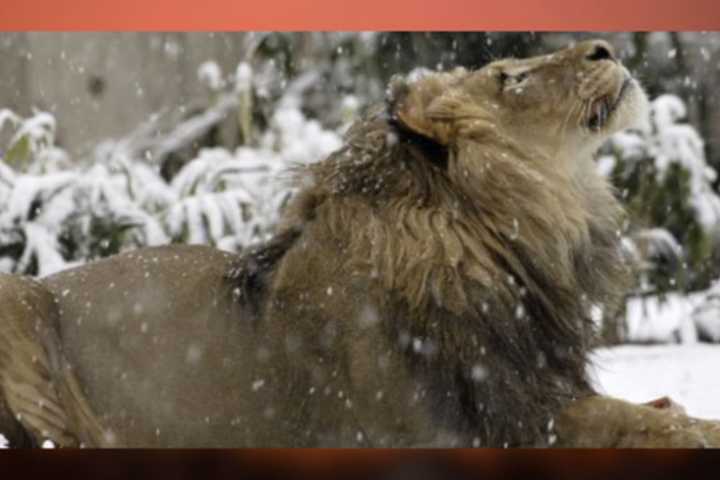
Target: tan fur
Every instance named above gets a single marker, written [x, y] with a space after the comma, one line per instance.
[429, 286]
[601, 422]
[482, 235]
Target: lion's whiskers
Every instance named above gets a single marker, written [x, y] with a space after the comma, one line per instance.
[585, 113]
[563, 126]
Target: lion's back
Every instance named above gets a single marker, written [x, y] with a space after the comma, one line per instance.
[156, 339]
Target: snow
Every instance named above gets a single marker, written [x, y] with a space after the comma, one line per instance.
[639, 373]
[43, 245]
[632, 146]
[707, 313]
[39, 129]
[243, 77]
[674, 317]
[9, 117]
[659, 242]
[678, 143]
[210, 75]
[707, 320]
[667, 320]
[605, 165]
[28, 189]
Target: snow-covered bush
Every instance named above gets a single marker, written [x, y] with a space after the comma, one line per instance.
[706, 315]
[673, 224]
[667, 187]
[56, 213]
[655, 319]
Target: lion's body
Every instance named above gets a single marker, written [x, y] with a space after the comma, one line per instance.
[158, 345]
[429, 285]
[434, 274]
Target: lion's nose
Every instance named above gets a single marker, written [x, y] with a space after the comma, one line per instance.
[599, 50]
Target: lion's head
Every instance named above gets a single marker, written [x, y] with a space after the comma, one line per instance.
[564, 104]
[504, 155]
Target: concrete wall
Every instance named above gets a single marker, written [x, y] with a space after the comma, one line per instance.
[103, 84]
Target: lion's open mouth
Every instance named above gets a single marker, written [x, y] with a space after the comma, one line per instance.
[603, 108]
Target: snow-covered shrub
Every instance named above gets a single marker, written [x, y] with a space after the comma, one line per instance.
[32, 138]
[224, 198]
[673, 223]
[57, 213]
[53, 220]
[655, 319]
[667, 187]
[33, 195]
[706, 314]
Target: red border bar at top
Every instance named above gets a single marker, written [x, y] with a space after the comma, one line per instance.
[359, 15]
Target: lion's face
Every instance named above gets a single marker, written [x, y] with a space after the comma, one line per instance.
[565, 102]
[580, 93]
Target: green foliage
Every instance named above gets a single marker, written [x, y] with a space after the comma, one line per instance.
[662, 203]
[18, 153]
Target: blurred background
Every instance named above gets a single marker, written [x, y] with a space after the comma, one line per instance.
[113, 141]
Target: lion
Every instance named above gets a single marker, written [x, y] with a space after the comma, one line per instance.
[429, 285]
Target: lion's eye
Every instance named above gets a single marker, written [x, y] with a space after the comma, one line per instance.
[514, 80]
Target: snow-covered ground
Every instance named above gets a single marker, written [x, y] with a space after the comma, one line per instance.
[689, 374]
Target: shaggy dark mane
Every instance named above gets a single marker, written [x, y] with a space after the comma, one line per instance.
[494, 264]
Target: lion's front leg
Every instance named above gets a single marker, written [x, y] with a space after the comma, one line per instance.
[604, 422]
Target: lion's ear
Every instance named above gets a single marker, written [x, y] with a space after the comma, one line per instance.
[413, 102]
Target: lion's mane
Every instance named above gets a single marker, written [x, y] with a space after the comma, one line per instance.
[477, 250]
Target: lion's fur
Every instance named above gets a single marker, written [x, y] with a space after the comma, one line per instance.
[469, 239]
[489, 258]
[429, 285]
